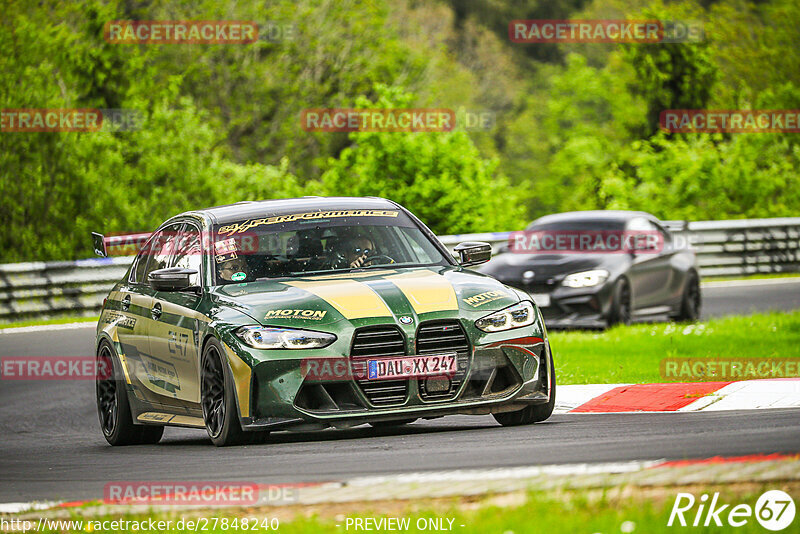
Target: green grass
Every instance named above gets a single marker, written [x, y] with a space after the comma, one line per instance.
[585, 511]
[632, 354]
[61, 320]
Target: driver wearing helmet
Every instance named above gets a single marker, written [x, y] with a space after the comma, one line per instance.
[357, 250]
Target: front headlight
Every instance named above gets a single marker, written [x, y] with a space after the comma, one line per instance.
[586, 278]
[260, 337]
[515, 316]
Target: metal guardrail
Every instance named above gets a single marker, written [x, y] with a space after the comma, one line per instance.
[77, 288]
[723, 248]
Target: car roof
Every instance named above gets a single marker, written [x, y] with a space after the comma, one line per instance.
[593, 215]
[269, 208]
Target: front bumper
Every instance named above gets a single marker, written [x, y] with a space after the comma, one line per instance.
[500, 375]
[586, 307]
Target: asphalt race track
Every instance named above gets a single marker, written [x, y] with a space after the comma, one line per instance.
[51, 446]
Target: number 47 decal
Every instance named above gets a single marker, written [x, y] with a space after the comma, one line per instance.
[177, 343]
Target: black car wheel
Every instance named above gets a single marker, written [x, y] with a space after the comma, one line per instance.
[620, 312]
[219, 401]
[535, 413]
[691, 300]
[113, 407]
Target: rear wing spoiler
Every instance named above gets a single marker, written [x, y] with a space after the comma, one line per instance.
[99, 244]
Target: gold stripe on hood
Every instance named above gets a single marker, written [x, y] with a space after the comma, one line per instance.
[426, 291]
[352, 299]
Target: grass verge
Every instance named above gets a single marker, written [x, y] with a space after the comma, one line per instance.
[613, 510]
[59, 320]
[632, 354]
[757, 276]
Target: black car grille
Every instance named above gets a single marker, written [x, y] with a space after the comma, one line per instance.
[378, 342]
[436, 337]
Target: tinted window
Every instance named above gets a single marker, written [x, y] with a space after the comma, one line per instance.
[189, 253]
[579, 224]
[159, 250]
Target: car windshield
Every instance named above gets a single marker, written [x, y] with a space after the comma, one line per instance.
[301, 244]
[579, 225]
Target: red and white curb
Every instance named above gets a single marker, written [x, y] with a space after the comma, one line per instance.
[679, 396]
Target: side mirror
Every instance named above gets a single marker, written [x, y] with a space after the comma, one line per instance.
[473, 252]
[99, 243]
[171, 279]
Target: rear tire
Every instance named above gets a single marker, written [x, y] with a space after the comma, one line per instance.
[113, 407]
[620, 312]
[535, 413]
[691, 300]
[218, 400]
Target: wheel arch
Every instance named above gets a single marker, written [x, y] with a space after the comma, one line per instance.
[232, 373]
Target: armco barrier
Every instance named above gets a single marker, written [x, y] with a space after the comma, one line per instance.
[723, 248]
[51, 289]
[77, 288]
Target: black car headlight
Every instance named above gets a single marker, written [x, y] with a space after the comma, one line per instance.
[586, 278]
[516, 316]
[265, 337]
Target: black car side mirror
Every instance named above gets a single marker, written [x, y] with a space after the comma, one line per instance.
[170, 279]
[473, 252]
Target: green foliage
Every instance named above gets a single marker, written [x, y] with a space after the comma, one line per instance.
[57, 187]
[575, 128]
[672, 75]
[439, 176]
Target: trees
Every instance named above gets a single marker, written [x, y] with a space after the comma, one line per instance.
[439, 176]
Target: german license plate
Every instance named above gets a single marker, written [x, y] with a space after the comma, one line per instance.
[541, 299]
[411, 366]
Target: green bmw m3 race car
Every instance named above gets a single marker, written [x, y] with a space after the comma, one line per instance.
[312, 313]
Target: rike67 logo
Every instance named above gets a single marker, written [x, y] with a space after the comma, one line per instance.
[774, 510]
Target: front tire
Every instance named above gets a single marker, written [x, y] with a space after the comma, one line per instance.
[691, 300]
[219, 401]
[535, 413]
[113, 407]
[620, 312]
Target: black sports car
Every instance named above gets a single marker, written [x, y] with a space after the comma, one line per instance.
[598, 268]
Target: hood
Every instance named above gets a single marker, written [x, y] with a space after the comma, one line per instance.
[510, 266]
[315, 301]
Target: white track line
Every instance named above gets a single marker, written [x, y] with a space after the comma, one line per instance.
[46, 327]
[756, 282]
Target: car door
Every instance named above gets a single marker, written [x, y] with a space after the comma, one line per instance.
[132, 303]
[665, 275]
[155, 375]
[649, 270]
[174, 334]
